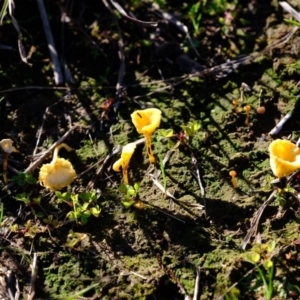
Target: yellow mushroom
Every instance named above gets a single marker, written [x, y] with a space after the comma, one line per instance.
[8, 148]
[59, 173]
[145, 122]
[247, 109]
[233, 178]
[236, 105]
[284, 157]
[124, 160]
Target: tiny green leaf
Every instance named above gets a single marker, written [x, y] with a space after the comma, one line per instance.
[137, 186]
[127, 204]
[253, 257]
[123, 188]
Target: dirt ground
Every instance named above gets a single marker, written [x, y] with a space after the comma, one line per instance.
[203, 239]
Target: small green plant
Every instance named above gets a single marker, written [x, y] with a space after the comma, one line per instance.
[24, 178]
[191, 128]
[233, 294]
[188, 131]
[261, 256]
[165, 135]
[27, 199]
[31, 202]
[83, 205]
[74, 238]
[24, 197]
[283, 197]
[31, 229]
[131, 193]
[195, 15]
[53, 222]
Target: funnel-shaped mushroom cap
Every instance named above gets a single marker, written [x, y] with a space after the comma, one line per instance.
[6, 145]
[284, 157]
[126, 155]
[59, 173]
[146, 120]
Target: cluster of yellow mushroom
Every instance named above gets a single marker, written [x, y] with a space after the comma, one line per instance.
[59, 173]
[146, 121]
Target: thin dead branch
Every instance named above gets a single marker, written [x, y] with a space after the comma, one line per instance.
[183, 205]
[224, 69]
[197, 284]
[198, 177]
[35, 164]
[121, 54]
[257, 215]
[280, 124]
[255, 220]
[120, 9]
[54, 88]
[43, 121]
[11, 6]
[58, 75]
[287, 7]
[33, 277]
[172, 19]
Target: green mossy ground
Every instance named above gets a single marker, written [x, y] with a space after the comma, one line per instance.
[152, 251]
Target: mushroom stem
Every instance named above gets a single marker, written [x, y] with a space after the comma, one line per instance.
[247, 119]
[125, 174]
[5, 157]
[55, 154]
[149, 149]
[233, 178]
[235, 104]
[234, 182]
[247, 109]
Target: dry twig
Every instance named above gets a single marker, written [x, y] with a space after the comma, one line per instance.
[197, 283]
[58, 75]
[257, 215]
[33, 277]
[120, 9]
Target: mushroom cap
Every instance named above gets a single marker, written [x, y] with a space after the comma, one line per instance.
[247, 108]
[146, 120]
[56, 175]
[117, 165]
[284, 157]
[126, 155]
[6, 145]
[232, 173]
[261, 110]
